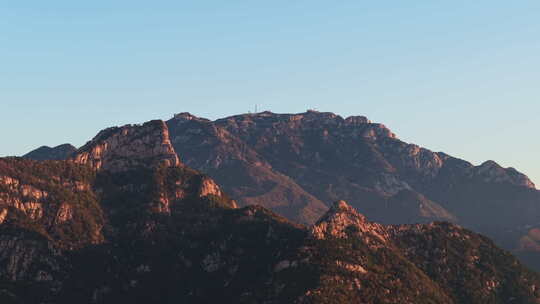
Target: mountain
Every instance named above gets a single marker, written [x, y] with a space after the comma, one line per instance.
[47, 153]
[243, 173]
[294, 163]
[124, 220]
[363, 262]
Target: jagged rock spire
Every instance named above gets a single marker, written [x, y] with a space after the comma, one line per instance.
[342, 221]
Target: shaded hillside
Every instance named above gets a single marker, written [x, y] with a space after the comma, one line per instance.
[47, 153]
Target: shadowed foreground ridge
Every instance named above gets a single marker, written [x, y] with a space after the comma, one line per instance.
[123, 220]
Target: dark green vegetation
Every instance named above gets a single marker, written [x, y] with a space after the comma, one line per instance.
[156, 240]
[463, 264]
[388, 276]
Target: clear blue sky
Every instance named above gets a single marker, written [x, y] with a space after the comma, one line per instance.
[454, 76]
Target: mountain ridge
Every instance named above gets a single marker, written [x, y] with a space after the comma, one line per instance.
[294, 164]
[159, 231]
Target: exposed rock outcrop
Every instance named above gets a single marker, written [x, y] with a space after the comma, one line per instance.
[53, 197]
[121, 148]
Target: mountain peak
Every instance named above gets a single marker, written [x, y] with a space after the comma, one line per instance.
[337, 220]
[186, 116]
[342, 206]
[311, 119]
[47, 153]
[490, 171]
[490, 164]
[341, 210]
[343, 221]
[129, 146]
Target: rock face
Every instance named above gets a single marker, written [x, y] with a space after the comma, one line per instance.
[340, 219]
[53, 197]
[119, 149]
[47, 153]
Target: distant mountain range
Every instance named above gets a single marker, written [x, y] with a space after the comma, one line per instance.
[125, 218]
[47, 153]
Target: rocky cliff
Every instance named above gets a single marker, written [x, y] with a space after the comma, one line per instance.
[127, 147]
